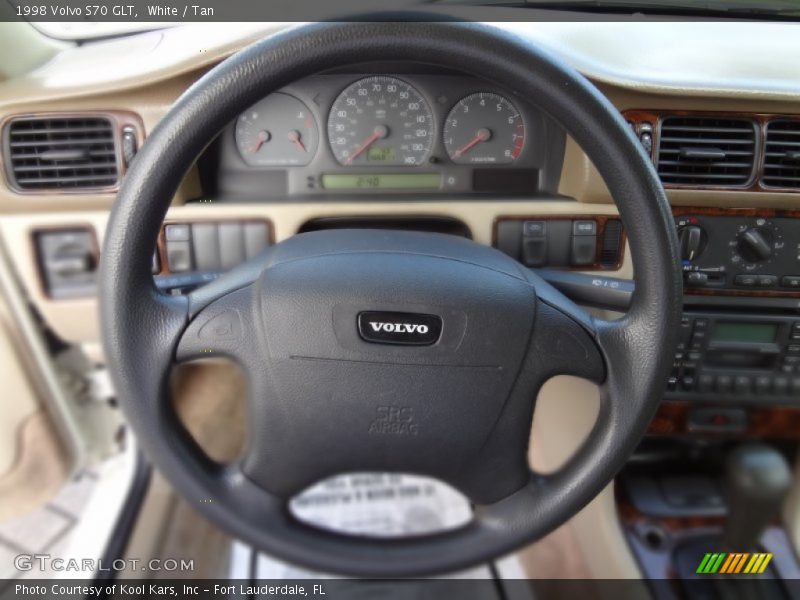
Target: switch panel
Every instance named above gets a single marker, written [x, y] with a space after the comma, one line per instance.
[68, 261]
[585, 243]
[196, 253]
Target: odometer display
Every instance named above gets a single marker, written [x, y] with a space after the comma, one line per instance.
[381, 121]
[382, 181]
[484, 128]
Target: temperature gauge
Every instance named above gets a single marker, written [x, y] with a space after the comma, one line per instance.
[278, 131]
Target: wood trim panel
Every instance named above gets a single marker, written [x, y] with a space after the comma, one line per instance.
[768, 422]
[638, 116]
[767, 213]
[602, 222]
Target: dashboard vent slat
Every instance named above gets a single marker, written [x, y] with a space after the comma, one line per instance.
[612, 244]
[782, 155]
[697, 151]
[62, 153]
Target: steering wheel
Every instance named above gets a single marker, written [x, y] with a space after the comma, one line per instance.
[388, 351]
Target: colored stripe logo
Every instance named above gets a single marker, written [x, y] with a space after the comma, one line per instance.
[734, 563]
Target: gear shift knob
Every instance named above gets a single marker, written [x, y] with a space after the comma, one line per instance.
[758, 481]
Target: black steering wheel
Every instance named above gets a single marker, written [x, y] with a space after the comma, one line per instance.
[388, 351]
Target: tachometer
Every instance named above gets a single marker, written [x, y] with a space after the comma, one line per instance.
[380, 121]
[484, 128]
[279, 130]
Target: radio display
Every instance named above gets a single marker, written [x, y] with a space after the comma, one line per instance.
[752, 333]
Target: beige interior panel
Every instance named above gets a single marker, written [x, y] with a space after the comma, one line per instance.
[19, 401]
[76, 320]
[209, 398]
[145, 74]
[40, 468]
[592, 541]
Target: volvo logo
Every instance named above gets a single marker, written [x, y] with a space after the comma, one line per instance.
[399, 328]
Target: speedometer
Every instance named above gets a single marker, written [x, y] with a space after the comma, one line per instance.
[380, 121]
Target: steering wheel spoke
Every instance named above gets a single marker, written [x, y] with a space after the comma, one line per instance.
[223, 327]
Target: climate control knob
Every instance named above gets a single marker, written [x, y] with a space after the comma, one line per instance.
[755, 244]
[692, 240]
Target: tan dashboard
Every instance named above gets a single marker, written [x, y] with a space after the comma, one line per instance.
[81, 79]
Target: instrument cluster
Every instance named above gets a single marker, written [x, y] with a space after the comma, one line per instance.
[404, 133]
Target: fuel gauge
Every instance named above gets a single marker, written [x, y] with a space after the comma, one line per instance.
[277, 131]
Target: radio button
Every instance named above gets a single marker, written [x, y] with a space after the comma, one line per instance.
[763, 384]
[705, 383]
[794, 387]
[687, 382]
[724, 383]
[780, 385]
[741, 385]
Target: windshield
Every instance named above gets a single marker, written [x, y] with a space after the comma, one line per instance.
[85, 30]
[779, 9]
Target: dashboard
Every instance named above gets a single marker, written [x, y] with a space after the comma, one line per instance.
[736, 371]
[401, 133]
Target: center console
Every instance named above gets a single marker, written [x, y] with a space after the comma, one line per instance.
[697, 484]
[739, 338]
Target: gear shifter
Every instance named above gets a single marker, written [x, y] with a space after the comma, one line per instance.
[758, 481]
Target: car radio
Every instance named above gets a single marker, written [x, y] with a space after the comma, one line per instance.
[737, 357]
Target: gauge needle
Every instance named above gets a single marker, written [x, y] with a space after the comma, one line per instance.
[263, 137]
[482, 135]
[378, 133]
[294, 137]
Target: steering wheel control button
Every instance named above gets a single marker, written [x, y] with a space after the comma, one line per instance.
[225, 327]
[408, 329]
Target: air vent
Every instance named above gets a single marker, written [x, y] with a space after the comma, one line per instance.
[612, 244]
[62, 153]
[706, 151]
[782, 155]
